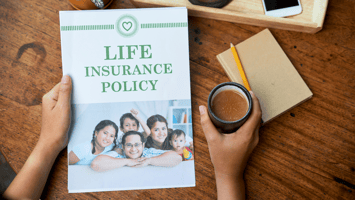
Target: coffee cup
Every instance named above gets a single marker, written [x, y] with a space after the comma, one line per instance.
[229, 106]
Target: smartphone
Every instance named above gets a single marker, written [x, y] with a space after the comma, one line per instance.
[282, 8]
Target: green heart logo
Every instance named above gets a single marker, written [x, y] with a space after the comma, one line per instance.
[127, 25]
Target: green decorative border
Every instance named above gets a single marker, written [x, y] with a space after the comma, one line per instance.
[165, 25]
[88, 27]
[112, 26]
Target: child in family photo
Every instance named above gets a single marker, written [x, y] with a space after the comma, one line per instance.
[177, 140]
[130, 122]
[104, 139]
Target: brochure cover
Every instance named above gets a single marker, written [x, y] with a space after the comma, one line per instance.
[131, 104]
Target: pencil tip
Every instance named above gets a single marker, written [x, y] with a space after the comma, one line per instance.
[232, 45]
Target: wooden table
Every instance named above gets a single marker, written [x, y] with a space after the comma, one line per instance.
[307, 153]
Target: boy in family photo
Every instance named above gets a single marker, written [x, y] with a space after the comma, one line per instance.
[130, 122]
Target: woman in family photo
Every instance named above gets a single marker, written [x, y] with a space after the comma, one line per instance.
[159, 131]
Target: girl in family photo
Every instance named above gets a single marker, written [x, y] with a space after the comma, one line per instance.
[104, 139]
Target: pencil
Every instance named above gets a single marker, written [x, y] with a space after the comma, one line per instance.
[240, 67]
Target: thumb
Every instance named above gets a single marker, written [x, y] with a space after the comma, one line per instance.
[211, 133]
[65, 91]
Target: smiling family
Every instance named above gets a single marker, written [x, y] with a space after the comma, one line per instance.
[157, 145]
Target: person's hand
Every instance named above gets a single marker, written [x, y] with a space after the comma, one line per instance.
[134, 112]
[230, 152]
[30, 181]
[143, 162]
[56, 115]
[132, 162]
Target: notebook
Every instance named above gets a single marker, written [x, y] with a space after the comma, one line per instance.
[271, 75]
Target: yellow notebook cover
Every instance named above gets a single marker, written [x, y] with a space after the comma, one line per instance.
[271, 75]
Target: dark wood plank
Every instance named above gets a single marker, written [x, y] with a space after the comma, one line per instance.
[307, 153]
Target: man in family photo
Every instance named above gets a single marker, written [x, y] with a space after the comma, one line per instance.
[135, 155]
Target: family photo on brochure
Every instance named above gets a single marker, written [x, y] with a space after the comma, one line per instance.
[133, 139]
[134, 149]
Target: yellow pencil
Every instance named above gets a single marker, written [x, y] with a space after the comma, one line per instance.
[240, 67]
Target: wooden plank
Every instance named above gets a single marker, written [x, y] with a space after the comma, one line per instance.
[249, 12]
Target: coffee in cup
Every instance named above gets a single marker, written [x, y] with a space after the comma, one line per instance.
[229, 106]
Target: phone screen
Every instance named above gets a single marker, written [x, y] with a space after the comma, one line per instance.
[278, 4]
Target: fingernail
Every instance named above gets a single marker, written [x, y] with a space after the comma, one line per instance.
[65, 79]
[202, 110]
[251, 92]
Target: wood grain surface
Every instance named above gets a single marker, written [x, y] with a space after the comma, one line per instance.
[307, 153]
